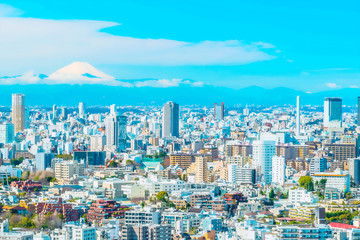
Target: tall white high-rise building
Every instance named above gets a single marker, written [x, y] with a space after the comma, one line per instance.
[113, 109]
[18, 112]
[171, 120]
[297, 115]
[6, 133]
[54, 111]
[82, 109]
[232, 172]
[115, 131]
[278, 170]
[333, 112]
[263, 151]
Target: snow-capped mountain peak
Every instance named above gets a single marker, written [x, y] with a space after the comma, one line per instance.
[79, 72]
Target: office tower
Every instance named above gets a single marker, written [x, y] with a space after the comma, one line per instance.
[354, 170]
[358, 115]
[43, 160]
[6, 133]
[54, 111]
[318, 164]
[63, 113]
[219, 111]
[201, 173]
[297, 115]
[171, 119]
[18, 112]
[113, 109]
[82, 109]
[333, 112]
[115, 131]
[263, 151]
[278, 170]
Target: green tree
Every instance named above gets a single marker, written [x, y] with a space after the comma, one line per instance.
[162, 196]
[272, 194]
[307, 183]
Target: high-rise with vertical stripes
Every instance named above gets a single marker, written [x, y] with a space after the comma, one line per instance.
[18, 112]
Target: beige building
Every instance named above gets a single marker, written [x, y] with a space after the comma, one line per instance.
[342, 152]
[201, 171]
[182, 159]
[67, 170]
[18, 112]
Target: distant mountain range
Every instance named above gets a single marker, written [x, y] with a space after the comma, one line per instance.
[82, 82]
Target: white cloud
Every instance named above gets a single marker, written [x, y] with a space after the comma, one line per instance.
[263, 44]
[332, 85]
[354, 86]
[9, 11]
[164, 83]
[32, 43]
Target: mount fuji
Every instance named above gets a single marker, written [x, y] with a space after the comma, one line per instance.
[81, 73]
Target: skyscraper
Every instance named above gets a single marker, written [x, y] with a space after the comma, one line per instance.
[6, 133]
[82, 109]
[54, 111]
[297, 115]
[171, 119]
[219, 111]
[18, 112]
[115, 131]
[263, 151]
[333, 112]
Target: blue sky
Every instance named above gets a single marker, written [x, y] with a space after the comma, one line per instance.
[305, 45]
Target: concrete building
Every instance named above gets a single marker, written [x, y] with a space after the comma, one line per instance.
[354, 170]
[115, 132]
[219, 111]
[7, 133]
[97, 142]
[90, 158]
[338, 179]
[318, 164]
[142, 216]
[67, 170]
[43, 160]
[18, 112]
[300, 195]
[171, 119]
[201, 171]
[332, 112]
[82, 109]
[278, 170]
[263, 152]
[146, 232]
